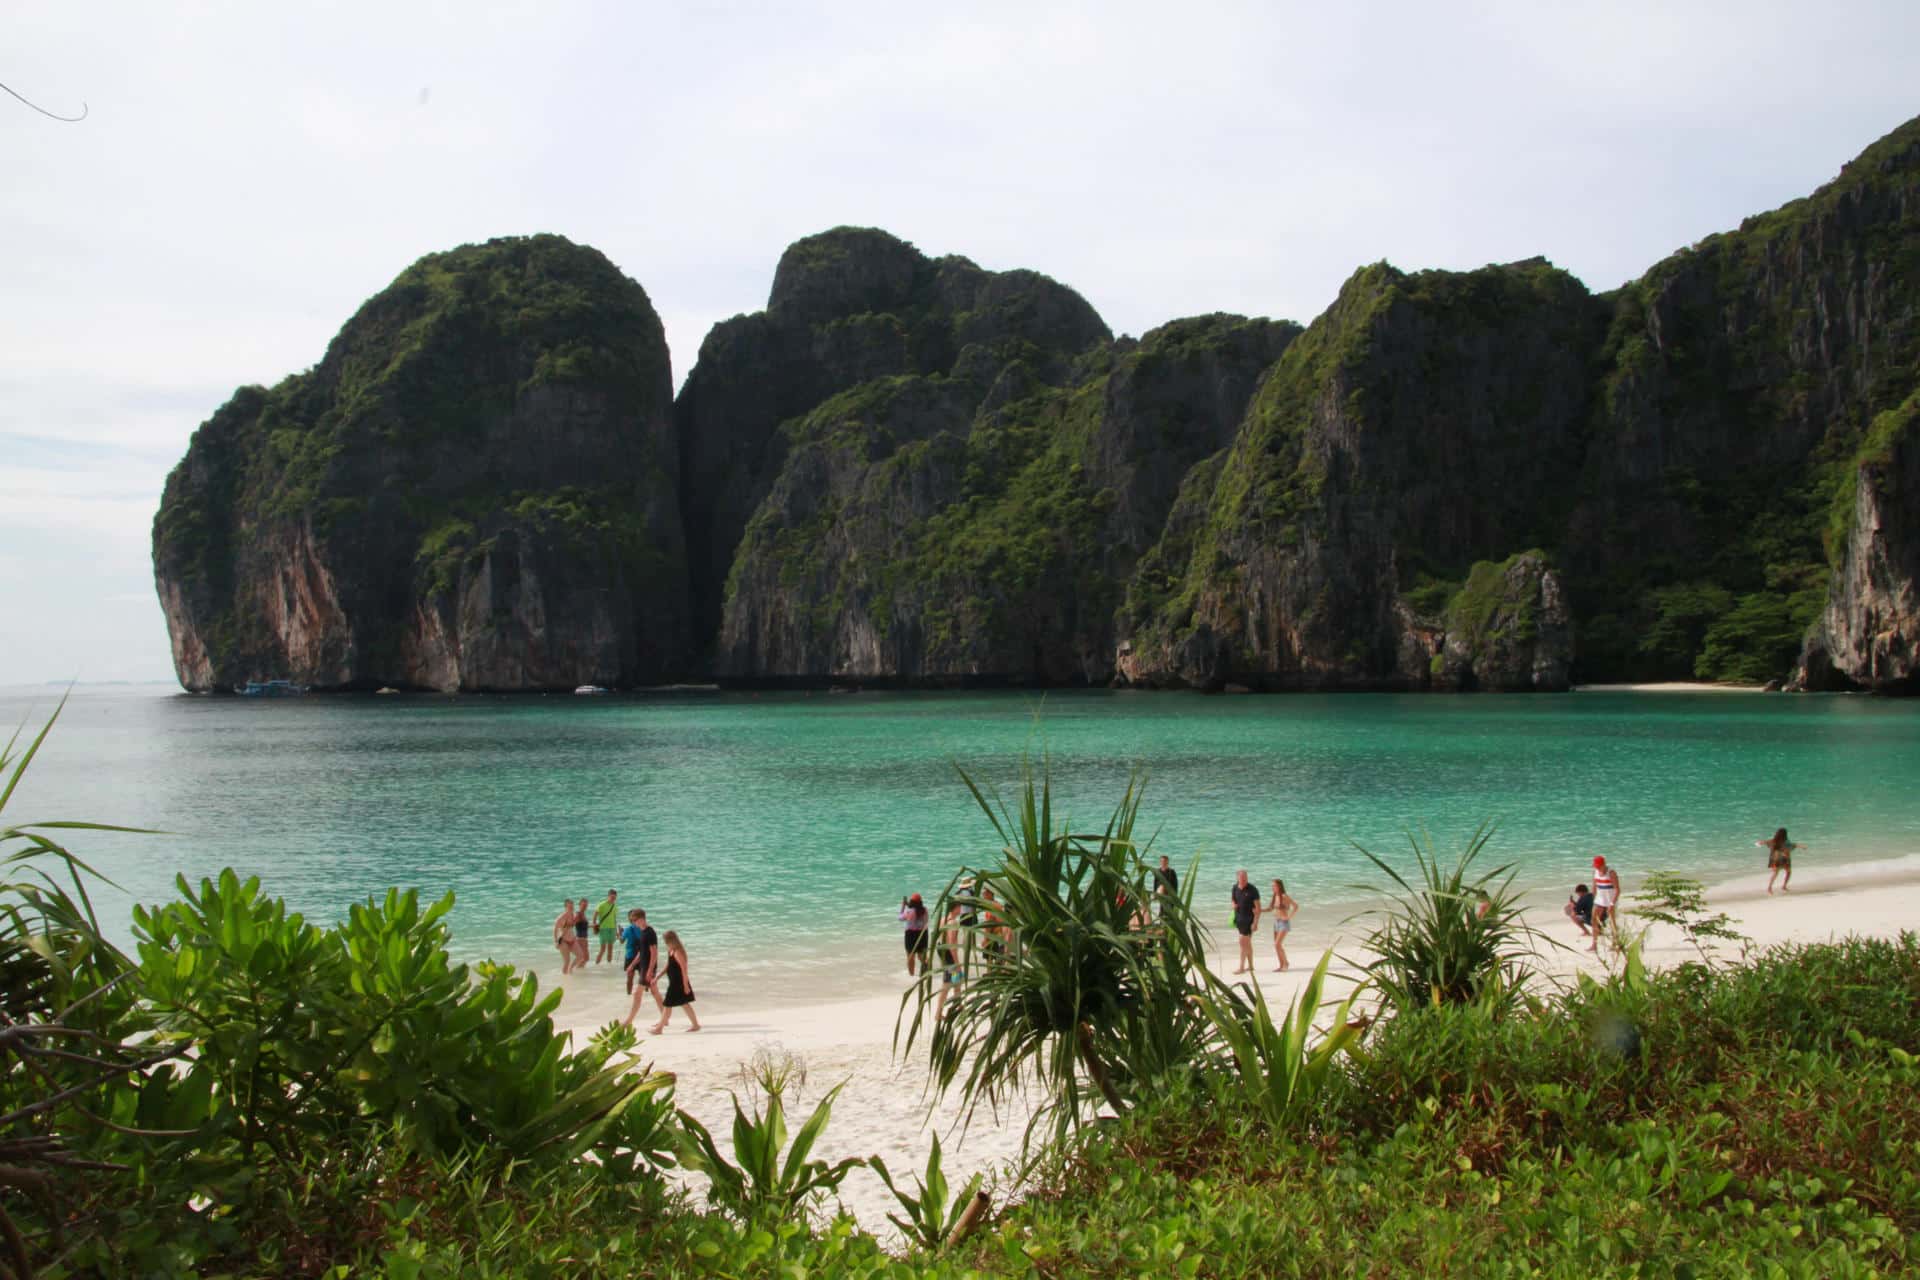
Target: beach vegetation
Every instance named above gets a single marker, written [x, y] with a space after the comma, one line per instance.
[1281, 1070]
[1762, 1130]
[1451, 933]
[934, 1218]
[768, 1179]
[1071, 986]
[1680, 903]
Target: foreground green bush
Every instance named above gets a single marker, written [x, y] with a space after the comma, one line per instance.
[1766, 1124]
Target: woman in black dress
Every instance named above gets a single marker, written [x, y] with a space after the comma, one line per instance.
[679, 985]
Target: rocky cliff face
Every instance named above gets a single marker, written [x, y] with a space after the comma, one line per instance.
[1868, 636]
[849, 307]
[474, 489]
[1737, 378]
[974, 526]
[1415, 431]
[910, 469]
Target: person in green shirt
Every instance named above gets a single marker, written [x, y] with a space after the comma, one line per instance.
[605, 920]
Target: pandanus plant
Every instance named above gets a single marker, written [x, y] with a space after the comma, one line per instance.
[1075, 983]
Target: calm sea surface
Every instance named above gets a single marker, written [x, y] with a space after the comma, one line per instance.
[777, 833]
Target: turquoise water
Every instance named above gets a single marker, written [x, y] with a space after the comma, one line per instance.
[777, 833]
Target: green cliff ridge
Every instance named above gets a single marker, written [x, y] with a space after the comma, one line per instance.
[912, 470]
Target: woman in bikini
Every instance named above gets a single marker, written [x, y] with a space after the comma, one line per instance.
[563, 935]
[1283, 907]
[1779, 859]
[582, 923]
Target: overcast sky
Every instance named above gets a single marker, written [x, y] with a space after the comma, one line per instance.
[249, 173]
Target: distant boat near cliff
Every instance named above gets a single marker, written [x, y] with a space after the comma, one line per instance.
[269, 689]
[591, 689]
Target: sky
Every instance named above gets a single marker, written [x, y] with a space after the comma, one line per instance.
[247, 174]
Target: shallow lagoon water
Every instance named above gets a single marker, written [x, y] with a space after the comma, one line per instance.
[777, 833]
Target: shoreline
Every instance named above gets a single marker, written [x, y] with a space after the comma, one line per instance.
[884, 1109]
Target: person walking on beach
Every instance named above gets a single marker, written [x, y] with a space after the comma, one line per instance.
[679, 986]
[1246, 909]
[643, 958]
[1282, 906]
[605, 917]
[637, 937]
[913, 919]
[952, 972]
[582, 922]
[1779, 859]
[563, 935]
[1606, 901]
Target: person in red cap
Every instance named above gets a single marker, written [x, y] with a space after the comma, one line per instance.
[1606, 901]
[913, 923]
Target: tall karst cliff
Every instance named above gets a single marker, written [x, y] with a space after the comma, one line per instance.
[913, 470]
[970, 517]
[476, 488]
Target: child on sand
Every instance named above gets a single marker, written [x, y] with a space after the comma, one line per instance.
[1779, 858]
[679, 986]
[1579, 909]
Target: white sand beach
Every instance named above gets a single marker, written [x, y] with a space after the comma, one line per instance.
[884, 1108]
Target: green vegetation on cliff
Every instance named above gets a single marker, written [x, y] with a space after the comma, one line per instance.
[516, 389]
[912, 468]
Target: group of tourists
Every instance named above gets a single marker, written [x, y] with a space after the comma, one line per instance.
[1593, 908]
[651, 958]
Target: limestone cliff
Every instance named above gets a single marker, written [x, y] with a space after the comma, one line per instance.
[910, 469]
[1868, 636]
[476, 488]
[974, 526]
[848, 307]
[1418, 428]
[1738, 378]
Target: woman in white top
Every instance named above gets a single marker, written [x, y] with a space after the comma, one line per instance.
[1606, 901]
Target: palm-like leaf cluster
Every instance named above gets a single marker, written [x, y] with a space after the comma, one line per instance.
[1074, 984]
[1451, 935]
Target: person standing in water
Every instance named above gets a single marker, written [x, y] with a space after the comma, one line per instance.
[605, 917]
[1779, 859]
[1282, 906]
[1606, 901]
[1246, 909]
[679, 986]
[582, 923]
[563, 935]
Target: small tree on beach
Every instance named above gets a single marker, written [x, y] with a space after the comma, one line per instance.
[1669, 898]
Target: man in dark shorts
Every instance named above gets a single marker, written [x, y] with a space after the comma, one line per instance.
[1166, 883]
[1246, 909]
[643, 945]
[913, 915]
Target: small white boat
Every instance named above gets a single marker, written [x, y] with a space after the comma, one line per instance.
[590, 689]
